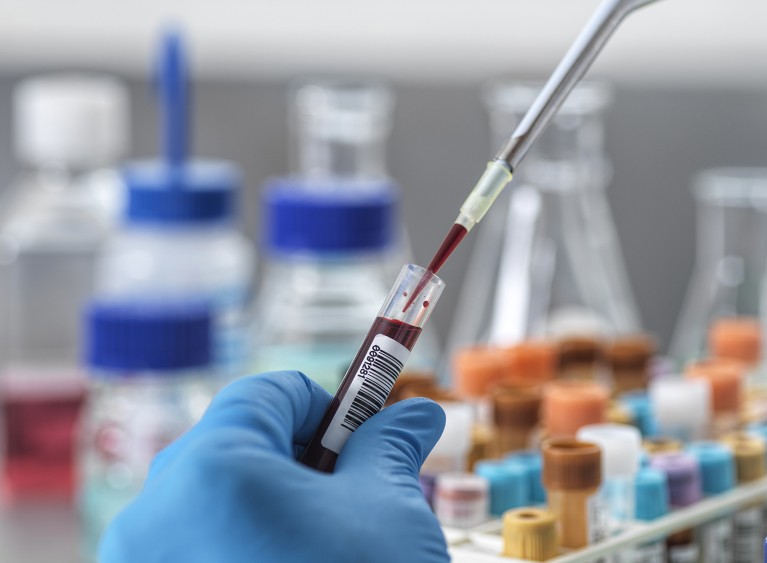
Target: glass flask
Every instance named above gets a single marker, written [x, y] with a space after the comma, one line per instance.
[726, 283]
[551, 266]
[70, 129]
[331, 235]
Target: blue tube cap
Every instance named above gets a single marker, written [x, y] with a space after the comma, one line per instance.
[141, 338]
[639, 406]
[717, 466]
[532, 461]
[198, 191]
[509, 485]
[300, 218]
[651, 494]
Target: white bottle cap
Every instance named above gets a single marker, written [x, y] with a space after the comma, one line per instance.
[69, 119]
[621, 447]
[682, 407]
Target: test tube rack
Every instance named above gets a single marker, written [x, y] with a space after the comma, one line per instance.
[484, 543]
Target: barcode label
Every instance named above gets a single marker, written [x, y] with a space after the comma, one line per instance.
[367, 393]
[748, 535]
[717, 540]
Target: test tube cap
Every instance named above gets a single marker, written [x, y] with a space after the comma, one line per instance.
[533, 360]
[516, 407]
[621, 447]
[661, 444]
[682, 407]
[509, 484]
[738, 338]
[456, 437]
[749, 454]
[477, 369]
[651, 494]
[569, 405]
[683, 475]
[579, 350]
[571, 465]
[530, 534]
[461, 499]
[717, 466]
[532, 461]
[725, 378]
[71, 119]
[639, 406]
[631, 352]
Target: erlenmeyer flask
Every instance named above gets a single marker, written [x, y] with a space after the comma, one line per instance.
[730, 260]
[551, 266]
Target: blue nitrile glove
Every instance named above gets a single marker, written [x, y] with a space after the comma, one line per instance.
[230, 490]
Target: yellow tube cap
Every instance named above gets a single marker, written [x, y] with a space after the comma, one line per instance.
[749, 455]
[530, 533]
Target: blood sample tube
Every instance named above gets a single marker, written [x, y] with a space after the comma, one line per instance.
[581, 358]
[572, 474]
[629, 360]
[749, 522]
[376, 366]
[568, 405]
[534, 361]
[736, 339]
[530, 534]
[516, 414]
[477, 369]
[651, 494]
[725, 379]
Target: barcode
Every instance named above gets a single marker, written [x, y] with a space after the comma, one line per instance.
[372, 383]
[748, 535]
[379, 378]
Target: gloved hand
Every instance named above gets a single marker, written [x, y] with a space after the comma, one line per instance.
[230, 490]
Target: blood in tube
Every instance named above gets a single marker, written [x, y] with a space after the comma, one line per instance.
[364, 389]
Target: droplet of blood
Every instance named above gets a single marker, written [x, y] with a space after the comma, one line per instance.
[425, 303]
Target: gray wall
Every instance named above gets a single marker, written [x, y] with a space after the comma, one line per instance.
[657, 139]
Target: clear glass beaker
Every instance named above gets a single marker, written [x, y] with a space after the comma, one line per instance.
[731, 256]
[552, 265]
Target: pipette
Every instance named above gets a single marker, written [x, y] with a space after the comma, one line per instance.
[565, 77]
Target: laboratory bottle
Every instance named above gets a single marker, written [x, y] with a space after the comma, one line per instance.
[730, 259]
[69, 132]
[530, 534]
[551, 266]
[749, 452]
[717, 471]
[331, 235]
[684, 489]
[572, 475]
[141, 396]
[178, 236]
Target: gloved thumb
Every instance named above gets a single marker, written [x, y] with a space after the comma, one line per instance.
[395, 442]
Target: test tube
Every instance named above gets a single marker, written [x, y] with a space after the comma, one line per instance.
[717, 471]
[640, 409]
[572, 474]
[516, 414]
[375, 368]
[749, 522]
[569, 405]
[684, 489]
[461, 500]
[682, 407]
[509, 484]
[530, 534]
[621, 447]
[532, 461]
[451, 451]
[651, 494]
[534, 361]
[738, 338]
[725, 379]
[580, 358]
[629, 360]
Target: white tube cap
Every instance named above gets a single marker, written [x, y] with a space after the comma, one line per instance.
[456, 438]
[70, 119]
[682, 407]
[621, 448]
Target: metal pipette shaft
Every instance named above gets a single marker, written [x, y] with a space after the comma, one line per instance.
[565, 77]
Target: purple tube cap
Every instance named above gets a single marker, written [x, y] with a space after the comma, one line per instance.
[684, 485]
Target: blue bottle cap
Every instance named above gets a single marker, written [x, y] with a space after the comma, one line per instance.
[140, 338]
[300, 219]
[176, 190]
[639, 406]
[509, 485]
[651, 494]
[532, 461]
[717, 466]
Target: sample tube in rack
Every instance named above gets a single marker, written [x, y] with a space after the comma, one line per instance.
[682, 407]
[725, 379]
[530, 534]
[651, 494]
[569, 405]
[375, 368]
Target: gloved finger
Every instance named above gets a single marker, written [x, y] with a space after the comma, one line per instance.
[282, 408]
[394, 442]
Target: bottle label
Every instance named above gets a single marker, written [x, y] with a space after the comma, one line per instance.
[597, 519]
[717, 541]
[683, 554]
[652, 553]
[748, 535]
[368, 391]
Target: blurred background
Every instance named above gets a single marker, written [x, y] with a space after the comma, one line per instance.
[690, 92]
